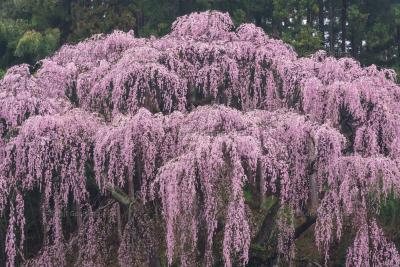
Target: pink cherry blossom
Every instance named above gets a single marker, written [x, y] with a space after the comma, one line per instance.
[181, 125]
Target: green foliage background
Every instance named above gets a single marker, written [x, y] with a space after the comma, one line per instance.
[33, 29]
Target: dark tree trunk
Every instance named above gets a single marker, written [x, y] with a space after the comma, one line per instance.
[258, 20]
[276, 27]
[305, 226]
[154, 261]
[398, 43]
[321, 17]
[331, 27]
[119, 224]
[354, 47]
[136, 27]
[78, 216]
[267, 225]
[344, 26]
[181, 9]
[309, 15]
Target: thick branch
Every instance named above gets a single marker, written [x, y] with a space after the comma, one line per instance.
[267, 223]
[302, 228]
[120, 195]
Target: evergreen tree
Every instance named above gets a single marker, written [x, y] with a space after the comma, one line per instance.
[367, 30]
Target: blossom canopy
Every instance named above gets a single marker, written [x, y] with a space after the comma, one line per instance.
[178, 130]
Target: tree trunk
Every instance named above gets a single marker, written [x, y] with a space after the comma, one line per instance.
[78, 216]
[321, 18]
[131, 187]
[181, 9]
[258, 20]
[267, 225]
[331, 28]
[309, 15]
[119, 223]
[154, 261]
[398, 43]
[136, 27]
[344, 26]
[354, 47]
[314, 200]
[275, 27]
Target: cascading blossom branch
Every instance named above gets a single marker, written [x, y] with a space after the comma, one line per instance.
[186, 125]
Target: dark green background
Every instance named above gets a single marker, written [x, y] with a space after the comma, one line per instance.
[32, 29]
